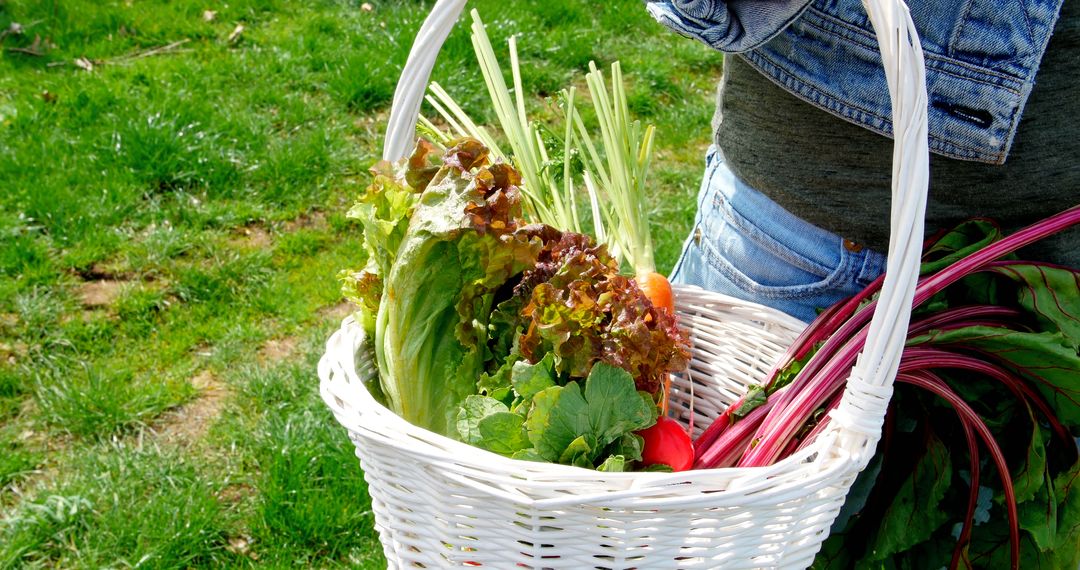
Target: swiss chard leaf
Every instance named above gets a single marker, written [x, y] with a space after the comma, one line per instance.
[1046, 544]
[755, 397]
[1031, 476]
[1038, 515]
[958, 243]
[1066, 554]
[914, 514]
[1051, 294]
[1047, 358]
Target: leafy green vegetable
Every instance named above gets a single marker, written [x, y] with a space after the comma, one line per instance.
[755, 396]
[1005, 340]
[591, 428]
[462, 244]
[384, 210]
[1051, 294]
[959, 242]
[530, 379]
[520, 339]
[474, 409]
[917, 499]
[1045, 357]
[586, 313]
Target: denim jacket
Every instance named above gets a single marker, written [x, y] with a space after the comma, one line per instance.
[981, 59]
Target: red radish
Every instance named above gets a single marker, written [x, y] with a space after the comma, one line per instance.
[667, 443]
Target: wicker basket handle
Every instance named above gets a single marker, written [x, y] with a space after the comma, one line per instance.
[409, 94]
[862, 410]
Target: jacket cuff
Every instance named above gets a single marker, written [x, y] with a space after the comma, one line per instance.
[731, 26]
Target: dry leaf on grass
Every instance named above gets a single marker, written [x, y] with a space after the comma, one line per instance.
[235, 35]
[83, 63]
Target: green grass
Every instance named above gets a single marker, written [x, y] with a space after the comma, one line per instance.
[162, 217]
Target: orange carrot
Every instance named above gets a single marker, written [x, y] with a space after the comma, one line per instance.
[658, 290]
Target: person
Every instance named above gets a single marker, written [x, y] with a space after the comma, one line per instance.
[794, 206]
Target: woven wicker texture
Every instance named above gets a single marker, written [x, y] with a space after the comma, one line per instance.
[439, 503]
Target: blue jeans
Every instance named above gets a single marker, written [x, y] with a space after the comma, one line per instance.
[747, 246]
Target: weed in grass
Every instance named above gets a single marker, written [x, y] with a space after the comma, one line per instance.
[97, 401]
[153, 251]
[16, 461]
[12, 388]
[264, 389]
[40, 528]
[165, 152]
[365, 83]
[25, 256]
[90, 333]
[37, 312]
[121, 507]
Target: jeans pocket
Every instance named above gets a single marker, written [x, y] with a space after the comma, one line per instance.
[745, 246]
[765, 265]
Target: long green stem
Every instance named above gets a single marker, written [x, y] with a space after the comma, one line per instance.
[623, 175]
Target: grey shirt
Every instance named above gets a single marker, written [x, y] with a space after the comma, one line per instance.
[835, 174]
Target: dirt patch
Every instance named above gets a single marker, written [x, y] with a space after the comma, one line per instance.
[9, 320]
[251, 237]
[101, 293]
[279, 349]
[235, 493]
[337, 312]
[104, 271]
[189, 423]
[13, 352]
[241, 545]
[313, 220]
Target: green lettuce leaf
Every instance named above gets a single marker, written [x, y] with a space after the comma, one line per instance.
[472, 411]
[531, 379]
[562, 424]
[384, 210]
[462, 244]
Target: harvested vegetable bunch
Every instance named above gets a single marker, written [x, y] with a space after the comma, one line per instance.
[978, 465]
[516, 337]
[615, 169]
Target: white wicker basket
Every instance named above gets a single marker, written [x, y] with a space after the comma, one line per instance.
[439, 503]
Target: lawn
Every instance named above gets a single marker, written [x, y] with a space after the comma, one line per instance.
[174, 177]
